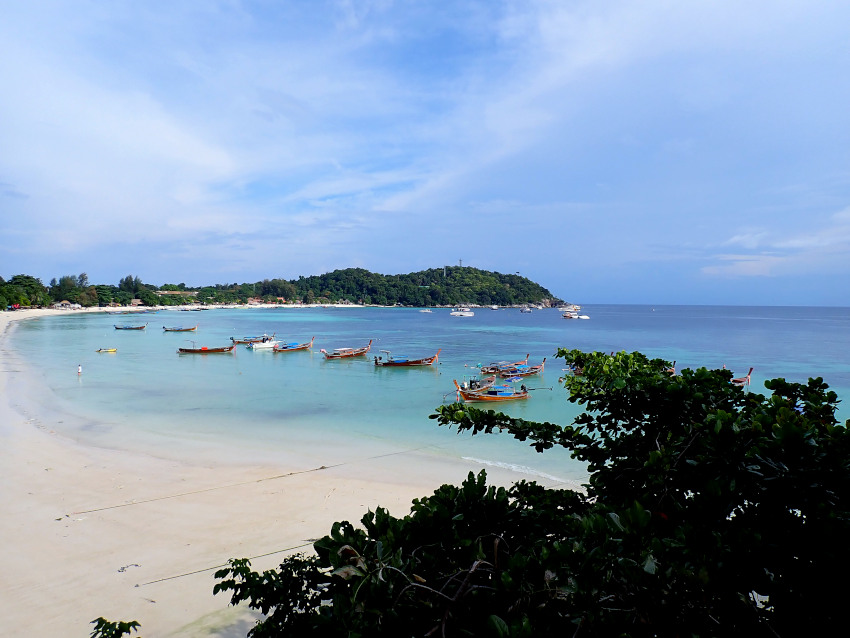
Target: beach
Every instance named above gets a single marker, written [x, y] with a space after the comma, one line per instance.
[126, 535]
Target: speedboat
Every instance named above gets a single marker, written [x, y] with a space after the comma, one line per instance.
[462, 311]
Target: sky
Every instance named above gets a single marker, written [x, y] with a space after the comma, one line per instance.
[627, 151]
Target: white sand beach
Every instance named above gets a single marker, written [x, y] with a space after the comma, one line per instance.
[92, 532]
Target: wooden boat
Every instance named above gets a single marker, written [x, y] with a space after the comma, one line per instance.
[742, 381]
[293, 345]
[206, 350]
[252, 339]
[107, 350]
[491, 393]
[345, 353]
[496, 366]
[476, 383]
[404, 361]
[131, 327]
[180, 329]
[514, 372]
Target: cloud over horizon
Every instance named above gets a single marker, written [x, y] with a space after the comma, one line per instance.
[632, 152]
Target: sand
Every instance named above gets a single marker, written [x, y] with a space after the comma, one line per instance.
[92, 532]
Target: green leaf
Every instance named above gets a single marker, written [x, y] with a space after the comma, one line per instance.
[498, 626]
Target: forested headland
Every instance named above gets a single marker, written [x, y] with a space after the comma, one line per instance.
[446, 286]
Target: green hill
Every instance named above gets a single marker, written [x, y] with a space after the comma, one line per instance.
[434, 287]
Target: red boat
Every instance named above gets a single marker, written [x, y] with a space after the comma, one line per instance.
[345, 353]
[289, 347]
[206, 350]
[404, 361]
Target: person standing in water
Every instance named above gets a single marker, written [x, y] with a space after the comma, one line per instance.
[80, 369]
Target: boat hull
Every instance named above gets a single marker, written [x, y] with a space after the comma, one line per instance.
[405, 363]
[291, 348]
[222, 350]
[490, 394]
[247, 340]
[347, 353]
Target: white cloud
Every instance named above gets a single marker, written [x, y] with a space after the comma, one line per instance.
[389, 123]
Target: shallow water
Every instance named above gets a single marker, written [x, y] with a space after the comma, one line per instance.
[262, 406]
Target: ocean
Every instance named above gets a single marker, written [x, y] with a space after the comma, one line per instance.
[258, 406]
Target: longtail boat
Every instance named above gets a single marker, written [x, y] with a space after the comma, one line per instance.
[131, 327]
[107, 350]
[294, 345]
[743, 381]
[404, 361]
[491, 393]
[345, 353]
[206, 350]
[252, 339]
[516, 371]
[496, 366]
[180, 329]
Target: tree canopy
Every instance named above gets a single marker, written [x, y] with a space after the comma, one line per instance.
[708, 510]
[435, 287]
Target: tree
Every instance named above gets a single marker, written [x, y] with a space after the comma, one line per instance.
[88, 297]
[148, 298]
[26, 290]
[708, 511]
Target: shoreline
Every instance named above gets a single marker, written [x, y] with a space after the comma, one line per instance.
[127, 535]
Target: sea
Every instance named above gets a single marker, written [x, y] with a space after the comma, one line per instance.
[261, 407]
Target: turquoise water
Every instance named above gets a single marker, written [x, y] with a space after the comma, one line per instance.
[257, 405]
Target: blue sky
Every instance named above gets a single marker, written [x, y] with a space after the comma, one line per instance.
[644, 151]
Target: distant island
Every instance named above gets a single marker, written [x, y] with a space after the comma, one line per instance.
[447, 286]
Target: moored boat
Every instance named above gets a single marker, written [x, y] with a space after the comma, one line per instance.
[496, 366]
[131, 327]
[491, 393]
[179, 329]
[264, 344]
[462, 311]
[345, 353]
[293, 345]
[205, 350]
[252, 339]
[398, 361]
[573, 314]
[523, 370]
[107, 350]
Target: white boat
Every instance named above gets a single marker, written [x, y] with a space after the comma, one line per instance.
[570, 307]
[494, 307]
[426, 310]
[266, 344]
[525, 309]
[572, 314]
[462, 311]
